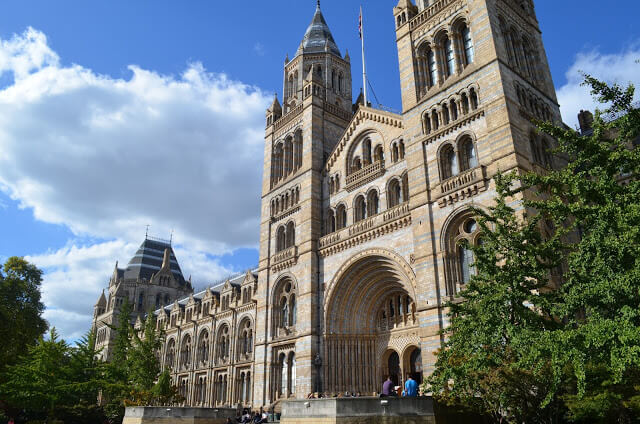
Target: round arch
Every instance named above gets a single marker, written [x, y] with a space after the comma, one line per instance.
[356, 141]
[359, 283]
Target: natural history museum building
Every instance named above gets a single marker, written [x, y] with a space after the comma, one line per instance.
[362, 212]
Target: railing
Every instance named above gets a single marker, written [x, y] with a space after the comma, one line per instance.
[285, 255]
[365, 225]
[462, 180]
[365, 175]
[429, 12]
[288, 117]
[339, 112]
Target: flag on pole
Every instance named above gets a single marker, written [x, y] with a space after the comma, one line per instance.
[360, 23]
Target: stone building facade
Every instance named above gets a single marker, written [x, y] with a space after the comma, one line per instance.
[363, 209]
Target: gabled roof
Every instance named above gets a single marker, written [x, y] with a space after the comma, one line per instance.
[148, 261]
[318, 37]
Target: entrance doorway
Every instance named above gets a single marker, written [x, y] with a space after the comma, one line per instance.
[394, 368]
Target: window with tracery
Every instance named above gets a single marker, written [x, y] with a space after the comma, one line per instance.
[185, 352]
[459, 258]
[245, 339]
[203, 348]
[285, 313]
[223, 345]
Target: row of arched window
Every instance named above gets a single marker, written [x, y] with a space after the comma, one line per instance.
[286, 157]
[447, 54]
[285, 201]
[540, 150]
[450, 110]
[285, 375]
[285, 236]
[397, 309]
[533, 104]
[244, 347]
[363, 156]
[456, 157]
[368, 205]
[521, 51]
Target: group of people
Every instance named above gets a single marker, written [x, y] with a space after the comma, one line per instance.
[390, 389]
[248, 418]
[333, 395]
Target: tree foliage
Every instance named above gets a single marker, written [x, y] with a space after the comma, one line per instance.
[524, 348]
[21, 321]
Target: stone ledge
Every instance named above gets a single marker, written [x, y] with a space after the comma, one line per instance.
[168, 414]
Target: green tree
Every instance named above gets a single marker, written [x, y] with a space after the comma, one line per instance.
[598, 195]
[501, 312]
[21, 321]
[143, 357]
[33, 385]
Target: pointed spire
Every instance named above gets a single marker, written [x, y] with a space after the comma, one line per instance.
[317, 36]
[346, 55]
[166, 260]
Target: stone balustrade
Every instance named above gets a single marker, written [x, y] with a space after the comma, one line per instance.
[365, 175]
[285, 258]
[384, 222]
[288, 117]
[466, 184]
[429, 13]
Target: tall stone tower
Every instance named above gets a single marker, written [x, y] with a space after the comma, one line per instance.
[473, 73]
[299, 136]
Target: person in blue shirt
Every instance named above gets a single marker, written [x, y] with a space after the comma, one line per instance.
[411, 388]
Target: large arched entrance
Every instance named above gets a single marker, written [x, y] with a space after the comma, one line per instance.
[370, 320]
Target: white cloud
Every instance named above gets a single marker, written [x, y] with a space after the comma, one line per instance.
[619, 67]
[106, 156]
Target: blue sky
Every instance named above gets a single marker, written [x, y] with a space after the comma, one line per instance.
[77, 197]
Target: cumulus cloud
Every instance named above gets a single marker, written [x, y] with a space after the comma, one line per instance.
[617, 67]
[107, 156]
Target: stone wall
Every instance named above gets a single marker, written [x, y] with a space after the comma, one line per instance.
[170, 415]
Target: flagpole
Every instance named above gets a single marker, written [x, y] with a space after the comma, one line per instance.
[364, 68]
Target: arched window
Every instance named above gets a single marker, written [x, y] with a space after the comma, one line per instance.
[394, 153]
[464, 100]
[433, 67]
[469, 156]
[360, 209]
[445, 115]
[405, 187]
[401, 149]
[203, 348]
[461, 234]
[222, 353]
[185, 352]
[331, 222]
[170, 355]
[468, 44]
[366, 151]
[340, 85]
[245, 339]
[357, 164]
[448, 162]
[341, 217]
[297, 149]
[166, 299]
[453, 110]
[427, 123]
[450, 58]
[158, 300]
[281, 239]
[435, 121]
[285, 308]
[378, 154]
[474, 99]
[372, 203]
[288, 157]
[394, 193]
[291, 235]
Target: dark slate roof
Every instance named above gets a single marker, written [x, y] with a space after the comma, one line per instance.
[317, 37]
[148, 260]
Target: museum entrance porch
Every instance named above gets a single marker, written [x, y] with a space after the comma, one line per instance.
[371, 326]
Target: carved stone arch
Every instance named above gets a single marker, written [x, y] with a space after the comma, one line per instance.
[276, 285]
[457, 214]
[464, 134]
[355, 143]
[393, 262]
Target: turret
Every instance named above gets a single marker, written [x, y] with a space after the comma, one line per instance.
[100, 306]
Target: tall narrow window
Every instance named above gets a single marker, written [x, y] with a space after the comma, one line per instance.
[470, 159]
[433, 68]
[449, 162]
[450, 56]
[341, 217]
[468, 45]
[465, 255]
